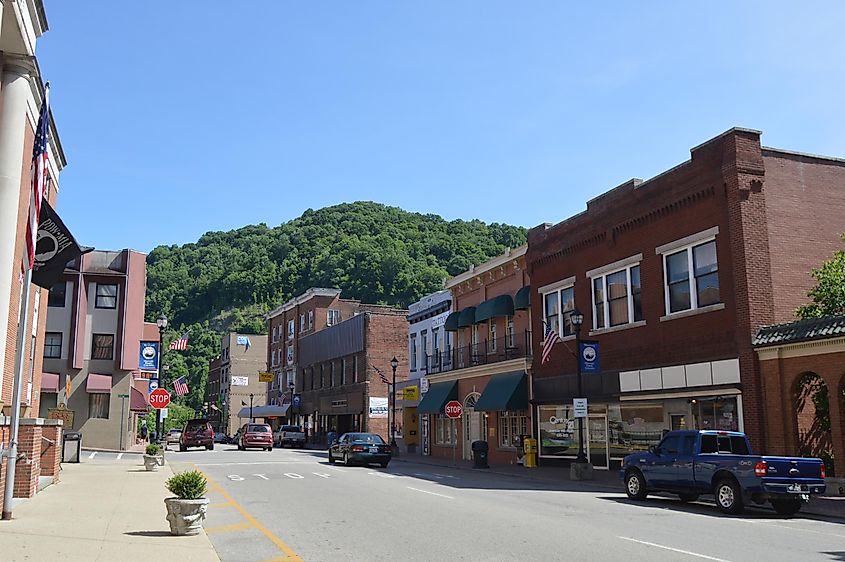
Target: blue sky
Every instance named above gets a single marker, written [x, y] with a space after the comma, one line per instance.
[179, 118]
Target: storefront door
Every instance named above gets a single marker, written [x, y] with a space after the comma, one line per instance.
[472, 424]
[597, 441]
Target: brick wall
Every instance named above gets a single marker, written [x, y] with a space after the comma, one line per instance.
[385, 338]
[28, 466]
[51, 453]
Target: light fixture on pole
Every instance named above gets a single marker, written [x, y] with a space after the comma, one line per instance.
[291, 386]
[250, 408]
[577, 319]
[393, 364]
[161, 322]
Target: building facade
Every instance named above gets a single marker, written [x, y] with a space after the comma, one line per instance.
[213, 395]
[428, 341]
[242, 359]
[488, 367]
[95, 325]
[674, 276]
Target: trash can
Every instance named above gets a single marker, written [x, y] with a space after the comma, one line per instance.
[530, 446]
[479, 454]
[71, 446]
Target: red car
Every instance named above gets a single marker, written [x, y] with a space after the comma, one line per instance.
[197, 433]
[255, 435]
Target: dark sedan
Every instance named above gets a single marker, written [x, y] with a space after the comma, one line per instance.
[363, 448]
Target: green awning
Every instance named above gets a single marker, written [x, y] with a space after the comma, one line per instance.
[434, 401]
[467, 317]
[495, 307]
[451, 324]
[504, 392]
[522, 300]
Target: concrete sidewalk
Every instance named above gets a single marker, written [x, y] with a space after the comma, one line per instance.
[108, 511]
[821, 506]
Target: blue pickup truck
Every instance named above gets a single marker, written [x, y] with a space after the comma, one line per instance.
[694, 463]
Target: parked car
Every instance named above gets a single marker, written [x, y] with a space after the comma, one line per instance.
[173, 436]
[289, 435]
[363, 448]
[255, 435]
[694, 463]
[220, 437]
[197, 433]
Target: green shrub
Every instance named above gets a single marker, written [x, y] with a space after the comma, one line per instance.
[190, 485]
[153, 449]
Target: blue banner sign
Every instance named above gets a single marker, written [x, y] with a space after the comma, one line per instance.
[148, 356]
[297, 399]
[589, 357]
[152, 385]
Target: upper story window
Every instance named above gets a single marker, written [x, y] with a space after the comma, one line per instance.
[435, 341]
[275, 333]
[424, 342]
[310, 319]
[291, 329]
[333, 317]
[354, 368]
[617, 294]
[290, 355]
[52, 345]
[491, 335]
[558, 304]
[301, 322]
[510, 333]
[57, 295]
[691, 272]
[102, 346]
[106, 296]
[413, 352]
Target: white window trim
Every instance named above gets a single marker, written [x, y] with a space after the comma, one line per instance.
[615, 266]
[691, 240]
[556, 286]
[557, 289]
[690, 276]
[603, 273]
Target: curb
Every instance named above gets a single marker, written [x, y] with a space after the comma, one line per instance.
[99, 450]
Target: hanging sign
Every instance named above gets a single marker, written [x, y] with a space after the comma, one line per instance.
[589, 357]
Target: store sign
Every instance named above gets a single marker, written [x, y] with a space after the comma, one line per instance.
[148, 356]
[240, 381]
[378, 407]
[265, 377]
[579, 405]
[411, 393]
[589, 357]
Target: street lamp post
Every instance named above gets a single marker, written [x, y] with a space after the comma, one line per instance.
[252, 419]
[393, 364]
[577, 319]
[161, 322]
[291, 387]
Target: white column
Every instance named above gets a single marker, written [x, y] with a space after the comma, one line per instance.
[13, 115]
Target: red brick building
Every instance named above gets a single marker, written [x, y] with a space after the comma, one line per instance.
[488, 369]
[674, 275]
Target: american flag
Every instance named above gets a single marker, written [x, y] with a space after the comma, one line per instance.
[551, 339]
[38, 171]
[180, 386]
[181, 344]
[384, 379]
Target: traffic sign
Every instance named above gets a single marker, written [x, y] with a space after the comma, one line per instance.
[453, 409]
[580, 407]
[159, 398]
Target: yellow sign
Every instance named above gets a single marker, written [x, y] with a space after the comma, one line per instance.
[411, 393]
[265, 377]
[67, 388]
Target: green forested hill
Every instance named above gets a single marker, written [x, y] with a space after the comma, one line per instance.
[375, 253]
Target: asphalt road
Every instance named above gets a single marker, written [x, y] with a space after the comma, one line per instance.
[291, 504]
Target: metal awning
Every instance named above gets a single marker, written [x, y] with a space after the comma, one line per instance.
[49, 382]
[138, 395]
[501, 305]
[438, 394]
[504, 392]
[467, 317]
[451, 324]
[98, 384]
[522, 299]
[264, 411]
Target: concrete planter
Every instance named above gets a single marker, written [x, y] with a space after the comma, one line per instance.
[152, 462]
[186, 516]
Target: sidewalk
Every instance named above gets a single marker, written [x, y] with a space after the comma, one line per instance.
[822, 506]
[100, 511]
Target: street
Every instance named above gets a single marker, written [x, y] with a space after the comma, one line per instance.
[292, 503]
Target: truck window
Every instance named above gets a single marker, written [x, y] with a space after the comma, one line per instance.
[739, 446]
[708, 444]
[670, 445]
[688, 446]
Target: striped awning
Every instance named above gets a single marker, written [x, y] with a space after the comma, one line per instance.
[49, 382]
[98, 384]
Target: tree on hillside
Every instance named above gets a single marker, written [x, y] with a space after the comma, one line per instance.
[828, 295]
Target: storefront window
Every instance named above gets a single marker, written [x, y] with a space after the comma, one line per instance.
[557, 431]
[444, 431]
[717, 413]
[633, 427]
[511, 426]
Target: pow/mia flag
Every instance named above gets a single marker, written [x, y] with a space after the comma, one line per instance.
[54, 248]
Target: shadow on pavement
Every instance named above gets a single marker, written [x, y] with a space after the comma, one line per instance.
[149, 534]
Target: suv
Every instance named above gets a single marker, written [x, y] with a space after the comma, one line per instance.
[255, 435]
[197, 433]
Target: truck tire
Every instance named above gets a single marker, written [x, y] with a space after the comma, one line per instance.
[686, 498]
[635, 485]
[728, 496]
[787, 507]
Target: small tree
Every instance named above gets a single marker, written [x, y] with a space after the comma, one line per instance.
[828, 295]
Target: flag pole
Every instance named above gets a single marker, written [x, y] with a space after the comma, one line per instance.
[12, 453]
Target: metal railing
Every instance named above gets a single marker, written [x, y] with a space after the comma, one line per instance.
[509, 347]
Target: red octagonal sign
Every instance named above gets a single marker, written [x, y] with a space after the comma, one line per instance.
[159, 398]
[453, 409]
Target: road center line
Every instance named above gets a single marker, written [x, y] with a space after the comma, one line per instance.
[687, 552]
[242, 463]
[432, 493]
[293, 557]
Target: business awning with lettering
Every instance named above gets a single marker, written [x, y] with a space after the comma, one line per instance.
[438, 394]
[504, 392]
[49, 382]
[98, 384]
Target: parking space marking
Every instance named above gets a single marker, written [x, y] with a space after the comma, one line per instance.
[119, 456]
[92, 455]
[321, 475]
[382, 474]
[293, 475]
[235, 477]
[292, 556]
[432, 493]
[228, 528]
[261, 476]
[687, 552]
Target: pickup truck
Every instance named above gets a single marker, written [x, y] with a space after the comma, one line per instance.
[693, 463]
[289, 435]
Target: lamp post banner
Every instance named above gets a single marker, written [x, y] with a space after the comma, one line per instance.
[148, 356]
[588, 356]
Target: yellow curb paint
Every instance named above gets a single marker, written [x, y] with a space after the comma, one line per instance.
[291, 555]
[229, 528]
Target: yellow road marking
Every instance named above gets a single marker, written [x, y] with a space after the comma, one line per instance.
[291, 555]
[220, 504]
[228, 528]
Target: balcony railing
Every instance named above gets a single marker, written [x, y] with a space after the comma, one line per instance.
[489, 351]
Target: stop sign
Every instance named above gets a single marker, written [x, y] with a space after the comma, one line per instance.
[159, 398]
[453, 409]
